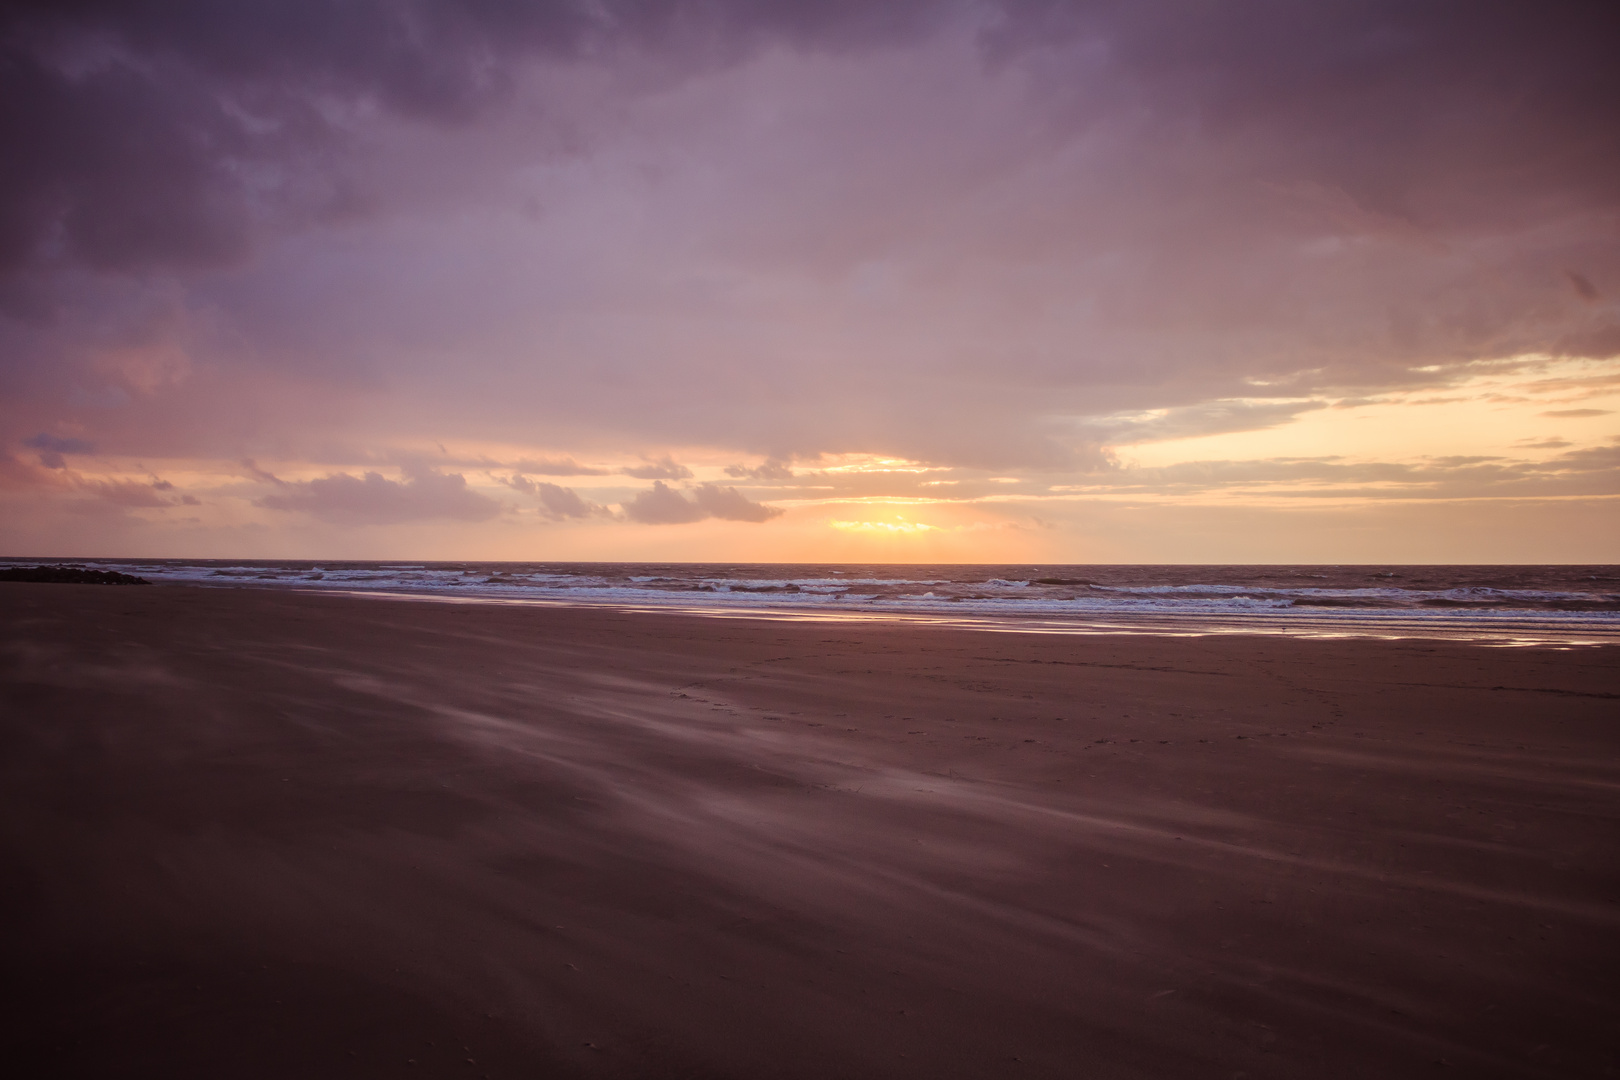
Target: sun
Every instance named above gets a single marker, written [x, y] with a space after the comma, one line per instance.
[898, 527]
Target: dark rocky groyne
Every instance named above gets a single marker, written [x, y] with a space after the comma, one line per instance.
[69, 575]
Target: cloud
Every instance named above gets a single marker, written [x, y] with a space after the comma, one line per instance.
[1205, 418]
[768, 470]
[128, 493]
[561, 502]
[727, 503]
[1601, 460]
[557, 503]
[563, 466]
[372, 499]
[1599, 338]
[664, 468]
[1571, 414]
[145, 135]
[663, 505]
[53, 447]
[59, 444]
[156, 134]
[1347, 79]
[257, 473]
[951, 230]
[994, 238]
[1586, 472]
[1582, 285]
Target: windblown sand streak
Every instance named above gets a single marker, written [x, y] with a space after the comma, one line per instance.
[270, 833]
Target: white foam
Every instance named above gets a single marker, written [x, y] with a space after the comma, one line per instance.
[967, 596]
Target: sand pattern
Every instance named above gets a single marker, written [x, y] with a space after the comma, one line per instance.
[262, 833]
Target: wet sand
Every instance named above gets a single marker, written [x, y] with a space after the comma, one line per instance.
[270, 834]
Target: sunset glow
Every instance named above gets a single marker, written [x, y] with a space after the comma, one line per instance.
[899, 527]
[932, 539]
[1001, 276]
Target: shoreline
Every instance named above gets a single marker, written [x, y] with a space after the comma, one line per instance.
[1497, 629]
[1576, 605]
[260, 832]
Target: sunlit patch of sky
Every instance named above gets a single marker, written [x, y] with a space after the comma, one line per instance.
[1491, 413]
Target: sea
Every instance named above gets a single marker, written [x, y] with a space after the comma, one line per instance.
[1510, 605]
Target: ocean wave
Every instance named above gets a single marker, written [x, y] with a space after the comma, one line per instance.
[1340, 596]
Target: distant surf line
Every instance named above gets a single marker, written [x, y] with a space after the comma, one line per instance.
[1487, 628]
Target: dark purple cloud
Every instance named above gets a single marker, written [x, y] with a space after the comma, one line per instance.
[162, 131]
[1582, 285]
[52, 448]
[142, 133]
[59, 444]
[1440, 110]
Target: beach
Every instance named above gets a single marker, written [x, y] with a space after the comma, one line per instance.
[260, 833]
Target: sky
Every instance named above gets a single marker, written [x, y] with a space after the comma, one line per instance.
[717, 280]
